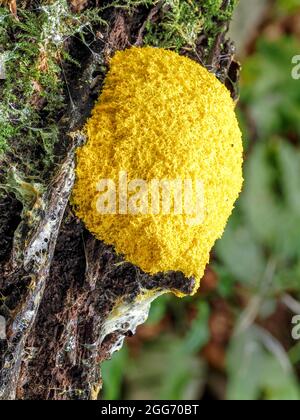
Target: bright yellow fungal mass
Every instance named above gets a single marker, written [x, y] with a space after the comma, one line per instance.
[161, 116]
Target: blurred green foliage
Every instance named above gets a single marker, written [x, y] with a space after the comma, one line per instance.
[287, 6]
[259, 255]
[259, 368]
[271, 94]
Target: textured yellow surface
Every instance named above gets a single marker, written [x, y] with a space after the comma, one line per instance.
[161, 116]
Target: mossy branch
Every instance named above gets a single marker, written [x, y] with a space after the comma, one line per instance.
[54, 63]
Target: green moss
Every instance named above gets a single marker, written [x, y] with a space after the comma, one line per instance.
[33, 93]
[180, 26]
[131, 4]
[7, 131]
[216, 12]
[184, 21]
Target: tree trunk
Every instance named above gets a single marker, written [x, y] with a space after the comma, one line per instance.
[67, 300]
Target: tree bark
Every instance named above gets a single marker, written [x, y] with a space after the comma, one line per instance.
[68, 299]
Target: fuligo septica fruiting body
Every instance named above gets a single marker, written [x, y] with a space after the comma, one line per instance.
[160, 117]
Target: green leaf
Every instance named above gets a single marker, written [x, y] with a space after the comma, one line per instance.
[241, 254]
[287, 278]
[268, 89]
[163, 371]
[294, 354]
[255, 373]
[278, 384]
[289, 159]
[226, 281]
[245, 361]
[158, 309]
[112, 374]
[288, 6]
[271, 198]
[199, 333]
[259, 200]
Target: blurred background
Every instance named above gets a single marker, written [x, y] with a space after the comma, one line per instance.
[235, 340]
